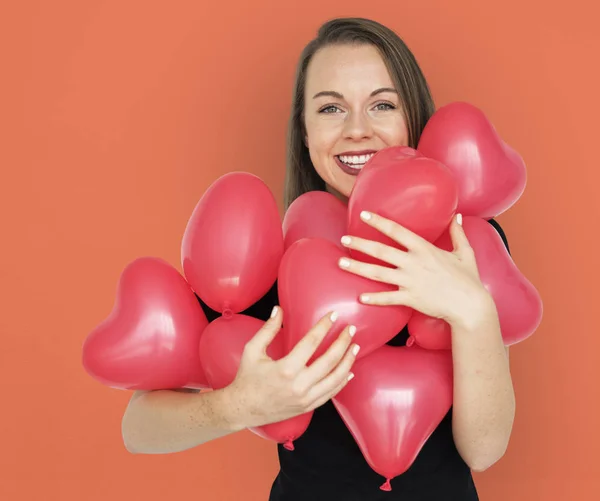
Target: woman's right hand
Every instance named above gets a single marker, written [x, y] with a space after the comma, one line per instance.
[268, 391]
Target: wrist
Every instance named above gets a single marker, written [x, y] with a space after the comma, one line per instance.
[478, 312]
[229, 409]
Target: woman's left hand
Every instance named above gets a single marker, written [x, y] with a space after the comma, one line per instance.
[431, 280]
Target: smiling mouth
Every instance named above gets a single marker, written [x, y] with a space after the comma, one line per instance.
[353, 164]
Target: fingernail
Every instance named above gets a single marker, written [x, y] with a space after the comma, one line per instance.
[274, 312]
[459, 219]
[352, 330]
[364, 298]
[365, 216]
[333, 317]
[346, 240]
[355, 350]
[350, 376]
[344, 262]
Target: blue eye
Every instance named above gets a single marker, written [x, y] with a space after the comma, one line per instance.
[330, 107]
[388, 106]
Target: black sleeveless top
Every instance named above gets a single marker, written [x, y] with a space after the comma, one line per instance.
[327, 464]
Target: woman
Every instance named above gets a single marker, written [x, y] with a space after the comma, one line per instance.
[358, 89]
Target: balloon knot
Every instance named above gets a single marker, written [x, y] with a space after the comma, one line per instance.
[227, 313]
[410, 341]
[386, 486]
[289, 444]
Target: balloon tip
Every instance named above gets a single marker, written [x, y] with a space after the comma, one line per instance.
[410, 341]
[387, 486]
[289, 445]
[227, 313]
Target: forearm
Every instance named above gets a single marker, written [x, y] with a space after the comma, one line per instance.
[161, 422]
[484, 402]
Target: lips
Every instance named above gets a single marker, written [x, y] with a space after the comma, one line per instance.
[352, 162]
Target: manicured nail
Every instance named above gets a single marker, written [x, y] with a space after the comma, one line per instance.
[459, 219]
[344, 262]
[274, 312]
[346, 240]
[350, 376]
[355, 350]
[333, 317]
[365, 216]
[352, 330]
[364, 298]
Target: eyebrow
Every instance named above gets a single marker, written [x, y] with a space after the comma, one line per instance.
[337, 95]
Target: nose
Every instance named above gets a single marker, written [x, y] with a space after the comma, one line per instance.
[357, 126]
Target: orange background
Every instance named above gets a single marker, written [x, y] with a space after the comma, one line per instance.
[117, 115]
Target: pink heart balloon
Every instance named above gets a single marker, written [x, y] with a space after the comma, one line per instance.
[400, 184]
[221, 350]
[315, 214]
[233, 243]
[311, 284]
[150, 339]
[518, 302]
[491, 175]
[396, 400]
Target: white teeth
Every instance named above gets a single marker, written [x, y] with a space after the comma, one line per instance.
[356, 159]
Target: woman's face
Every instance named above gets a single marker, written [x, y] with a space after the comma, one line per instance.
[351, 111]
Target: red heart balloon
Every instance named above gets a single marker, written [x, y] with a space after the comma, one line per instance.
[400, 184]
[518, 302]
[491, 175]
[396, 400]
[233, 243]
[429, 332]
[311, 284]
[315, 214]
[221, 351]
[150, 339]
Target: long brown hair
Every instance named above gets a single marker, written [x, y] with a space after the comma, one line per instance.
[404, 70]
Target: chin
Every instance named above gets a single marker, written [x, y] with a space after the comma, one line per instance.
[342, 190]
[338, 182]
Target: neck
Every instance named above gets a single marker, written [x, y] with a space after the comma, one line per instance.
[337, 194]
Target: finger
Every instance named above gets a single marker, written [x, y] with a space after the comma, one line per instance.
[460, 242]
[395, 231]
[266, 334]
[335, 377]
[376, 249]
[325, 398]
[372, 271]
[388, 298]
[331, 358]
[299, 356]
